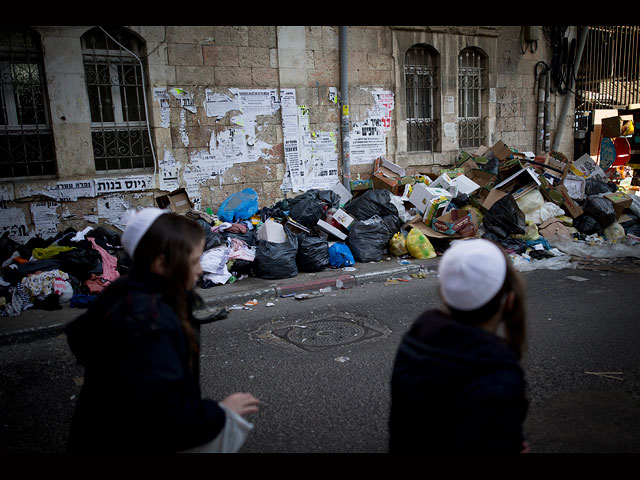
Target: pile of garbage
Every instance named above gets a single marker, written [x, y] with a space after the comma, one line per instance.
[544, 210]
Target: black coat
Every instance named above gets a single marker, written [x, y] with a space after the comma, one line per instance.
[455, 388]
[139, 393]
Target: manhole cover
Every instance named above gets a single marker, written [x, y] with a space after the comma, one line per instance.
[323, 333]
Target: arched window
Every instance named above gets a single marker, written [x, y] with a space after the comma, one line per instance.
[26, 140]
[470, 89]
[115, 85]
[420, 74]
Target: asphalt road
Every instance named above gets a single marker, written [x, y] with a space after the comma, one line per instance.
[321, 368]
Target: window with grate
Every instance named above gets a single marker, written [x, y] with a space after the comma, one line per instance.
[420, 71]
[26, 140]
[470, 87]
[115, 84]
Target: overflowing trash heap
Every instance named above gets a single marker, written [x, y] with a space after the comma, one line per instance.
[545, 211]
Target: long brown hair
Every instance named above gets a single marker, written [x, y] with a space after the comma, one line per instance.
[513, 317]
[175, 237]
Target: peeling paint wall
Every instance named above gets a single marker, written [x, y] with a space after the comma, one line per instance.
[235, 107]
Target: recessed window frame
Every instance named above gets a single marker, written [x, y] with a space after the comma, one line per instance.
[471, 87]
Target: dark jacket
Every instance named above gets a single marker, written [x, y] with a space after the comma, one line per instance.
[455, 388]
[139, 393]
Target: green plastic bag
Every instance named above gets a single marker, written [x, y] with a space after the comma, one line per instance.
[419, 245]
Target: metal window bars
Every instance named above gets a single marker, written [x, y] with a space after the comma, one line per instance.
[26, 140]
[609, 72]
[420, 84]
[115, 86]
[470, 85]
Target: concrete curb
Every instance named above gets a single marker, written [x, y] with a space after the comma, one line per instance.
[348, 281]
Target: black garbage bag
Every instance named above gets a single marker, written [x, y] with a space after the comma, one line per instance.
[307, 212]
[510, 244]
[7, 247]
[276, 260]
[587, 225]
[370, 203]
[241, 267]
[368, 239]
[633, 230]
[249, 237]
[505, 218]
[593, 186]
[211, 239]
[461, 200]
[313, 253]
[393, 223]
[601, 209]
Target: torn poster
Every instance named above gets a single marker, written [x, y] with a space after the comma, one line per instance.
[183, 128]
[45, 219]
[68, 191]
[12, 220]
[124, 184]
[368, 138]
[185, 98]
[7, 192]
[113, 208]
[169, 170]
[218, 104]
[162, 97]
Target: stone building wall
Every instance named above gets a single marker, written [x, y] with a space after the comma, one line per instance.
[293, 75]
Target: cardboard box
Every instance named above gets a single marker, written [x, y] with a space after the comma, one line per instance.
[452, 222]
[324, 226]
[389, 176]
[465, 184]
[421, 195]
[575, 186]
[559, 166]
[621, 201]
[501, 150]
[343, 218]
[271, 231]
[294, 226]
[436, 207]
[360, 185]
[521, 178]
[612, 127]
[468, 231]
[559, 195]
[177, 201]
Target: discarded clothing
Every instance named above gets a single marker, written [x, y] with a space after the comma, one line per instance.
[109, 262]
[41, 285]
[49, 252]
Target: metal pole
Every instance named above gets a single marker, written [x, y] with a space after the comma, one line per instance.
[569, 96]
[344, 108]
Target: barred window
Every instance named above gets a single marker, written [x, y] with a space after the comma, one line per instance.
[115, 84]
[26, 140]
[420, 72]
[470, 87]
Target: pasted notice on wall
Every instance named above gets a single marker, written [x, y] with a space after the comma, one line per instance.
[113, 209]
[66, 191]
[162, 97]
[368, 138]
[12, 220]
[169, 170]
[311, 158]
[45, 218]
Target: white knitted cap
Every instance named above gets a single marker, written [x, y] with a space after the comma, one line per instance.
[138, 222]
[471, 273]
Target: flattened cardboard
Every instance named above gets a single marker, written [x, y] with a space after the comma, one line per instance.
[389, 176]
[343, 218]
[271, 231]
[330, 229]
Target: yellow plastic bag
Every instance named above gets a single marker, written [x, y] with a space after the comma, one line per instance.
[398, 245]
[419, 245]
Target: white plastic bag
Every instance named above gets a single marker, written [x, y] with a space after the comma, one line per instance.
[230, 439]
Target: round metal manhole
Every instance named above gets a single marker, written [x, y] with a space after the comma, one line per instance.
[325, 333]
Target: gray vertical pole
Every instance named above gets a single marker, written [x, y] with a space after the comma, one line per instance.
[569, 95]
[344, 109]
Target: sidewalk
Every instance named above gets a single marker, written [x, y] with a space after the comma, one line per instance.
[36, 324]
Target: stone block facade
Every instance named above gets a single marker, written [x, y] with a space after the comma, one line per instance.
[266, 106]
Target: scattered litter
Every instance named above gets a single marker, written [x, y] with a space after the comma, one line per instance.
[236, 307]
[287, 295]
[339, 284]
[342, 359]
[305, 296]
[270, 304]
[577, 279]
[404, 262]
[348, 269]
[418, 275]
[325, 290]
[613, 375]
[251, 303]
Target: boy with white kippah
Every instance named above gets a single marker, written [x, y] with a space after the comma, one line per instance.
[456, 384]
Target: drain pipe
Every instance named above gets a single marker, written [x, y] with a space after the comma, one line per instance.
[344, 109]
[565, 106]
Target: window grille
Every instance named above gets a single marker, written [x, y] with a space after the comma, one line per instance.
[115, 86]
[420, 83]
[470, 86]
[26, 140]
